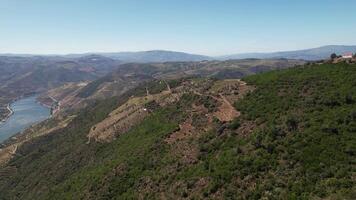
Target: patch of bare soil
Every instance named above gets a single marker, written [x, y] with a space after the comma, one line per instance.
[119, 121]
[185, 130]
[246, 128]
[187, 152]
[128, 115]
[119, 170]
[227, 92]
[182, 142]
[226, 112]
[146, 187]
[7, 153]
[181, 147]
[66, 95]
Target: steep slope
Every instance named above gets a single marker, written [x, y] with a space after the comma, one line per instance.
[290, 136]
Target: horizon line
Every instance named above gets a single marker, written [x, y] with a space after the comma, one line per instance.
[166, 50]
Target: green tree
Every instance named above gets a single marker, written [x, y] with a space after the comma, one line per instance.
[333, 56]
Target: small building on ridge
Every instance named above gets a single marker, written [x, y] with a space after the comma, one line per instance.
[347, 55]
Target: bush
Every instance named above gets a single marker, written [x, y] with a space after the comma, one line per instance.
[235, 124]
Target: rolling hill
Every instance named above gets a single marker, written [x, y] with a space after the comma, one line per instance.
[283, 134]
[130, 75]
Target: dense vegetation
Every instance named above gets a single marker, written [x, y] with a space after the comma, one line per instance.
[306, 140]
[302, 146]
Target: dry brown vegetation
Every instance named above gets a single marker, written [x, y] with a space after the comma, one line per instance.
[134, 110]
[128, 115]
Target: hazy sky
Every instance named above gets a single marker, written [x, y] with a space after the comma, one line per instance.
[212, 27]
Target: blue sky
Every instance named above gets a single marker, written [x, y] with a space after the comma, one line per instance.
[211, 27]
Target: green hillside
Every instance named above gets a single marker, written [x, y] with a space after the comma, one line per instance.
[306, 138]
[295, 139]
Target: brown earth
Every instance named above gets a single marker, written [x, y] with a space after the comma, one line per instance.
[226, 112]
[128, 115]
[246, 128]
[181, 143]
[66, 95]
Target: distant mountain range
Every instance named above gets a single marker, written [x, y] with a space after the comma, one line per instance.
[148, 56]
[306, 54]
[171, 56]
[156, 56]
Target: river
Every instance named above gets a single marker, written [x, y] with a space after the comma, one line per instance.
[26, 111]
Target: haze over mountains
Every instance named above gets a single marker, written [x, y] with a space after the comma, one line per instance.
[306, 54]
[155, 56]
[172, 56]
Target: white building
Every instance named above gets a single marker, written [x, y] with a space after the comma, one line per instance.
[347, 55]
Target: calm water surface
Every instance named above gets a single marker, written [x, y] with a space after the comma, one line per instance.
[27, 111]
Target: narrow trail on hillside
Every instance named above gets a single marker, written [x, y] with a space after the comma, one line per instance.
[226, 111]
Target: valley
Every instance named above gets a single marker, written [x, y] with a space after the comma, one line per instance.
[25, 76]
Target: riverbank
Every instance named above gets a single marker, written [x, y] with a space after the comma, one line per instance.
[6, 105]
[22, 114]
[10, 112]
[51, 103]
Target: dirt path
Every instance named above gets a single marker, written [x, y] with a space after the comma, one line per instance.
[226, 112]
[225, 100]
[168, 87]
